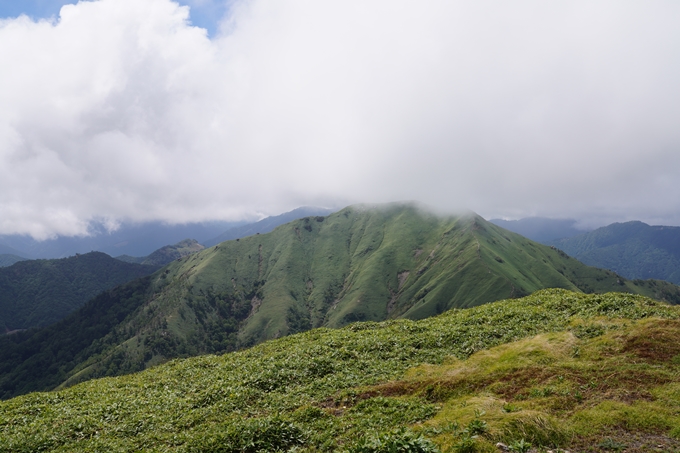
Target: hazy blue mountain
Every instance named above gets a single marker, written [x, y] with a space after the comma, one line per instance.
[541, 229]
[633, 249]
[7, 250]
[8, 259]
[138, 240]
[267, 224]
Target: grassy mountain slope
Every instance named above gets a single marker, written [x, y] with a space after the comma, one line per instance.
[358, 264]
[632, 249]
[600, 374]
[166, 254]
[267, 224]
[367, 263]
[39, 292]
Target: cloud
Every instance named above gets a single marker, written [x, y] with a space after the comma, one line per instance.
[122, 110]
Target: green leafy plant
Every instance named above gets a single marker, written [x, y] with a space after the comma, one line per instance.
[588, 331]
[252, 436]
[466, 443]
[610, 444]
[398, 441]
[508, 408]
[477, 427]
[520, 446]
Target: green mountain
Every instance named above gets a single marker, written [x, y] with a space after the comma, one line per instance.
[36, 293]
[267, 224]
[360, 264]
[557, 369]
[632, 249]
[167, 254]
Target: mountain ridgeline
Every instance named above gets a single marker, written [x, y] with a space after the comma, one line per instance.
[165, 255]
[267, 224]
[633, 249]
[541, 229]
[360, 264]
[133, 239]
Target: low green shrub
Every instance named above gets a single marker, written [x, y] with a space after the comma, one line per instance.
[398, 441]
[249, 436]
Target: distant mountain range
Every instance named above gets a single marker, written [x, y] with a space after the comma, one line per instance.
[7, 250]
[130, 239]
[140, 240]
[633, 249]
[364, 263]
[541, 229]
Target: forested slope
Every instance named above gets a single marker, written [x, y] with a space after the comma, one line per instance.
[633, 249]
[36, 293]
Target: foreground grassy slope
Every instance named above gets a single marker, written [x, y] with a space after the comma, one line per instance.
[601, 371]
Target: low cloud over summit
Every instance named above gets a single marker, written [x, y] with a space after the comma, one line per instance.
[123, 110]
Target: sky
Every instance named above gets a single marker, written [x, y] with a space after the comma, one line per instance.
[135, 110]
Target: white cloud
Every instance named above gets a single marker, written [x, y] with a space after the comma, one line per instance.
[122, 110]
